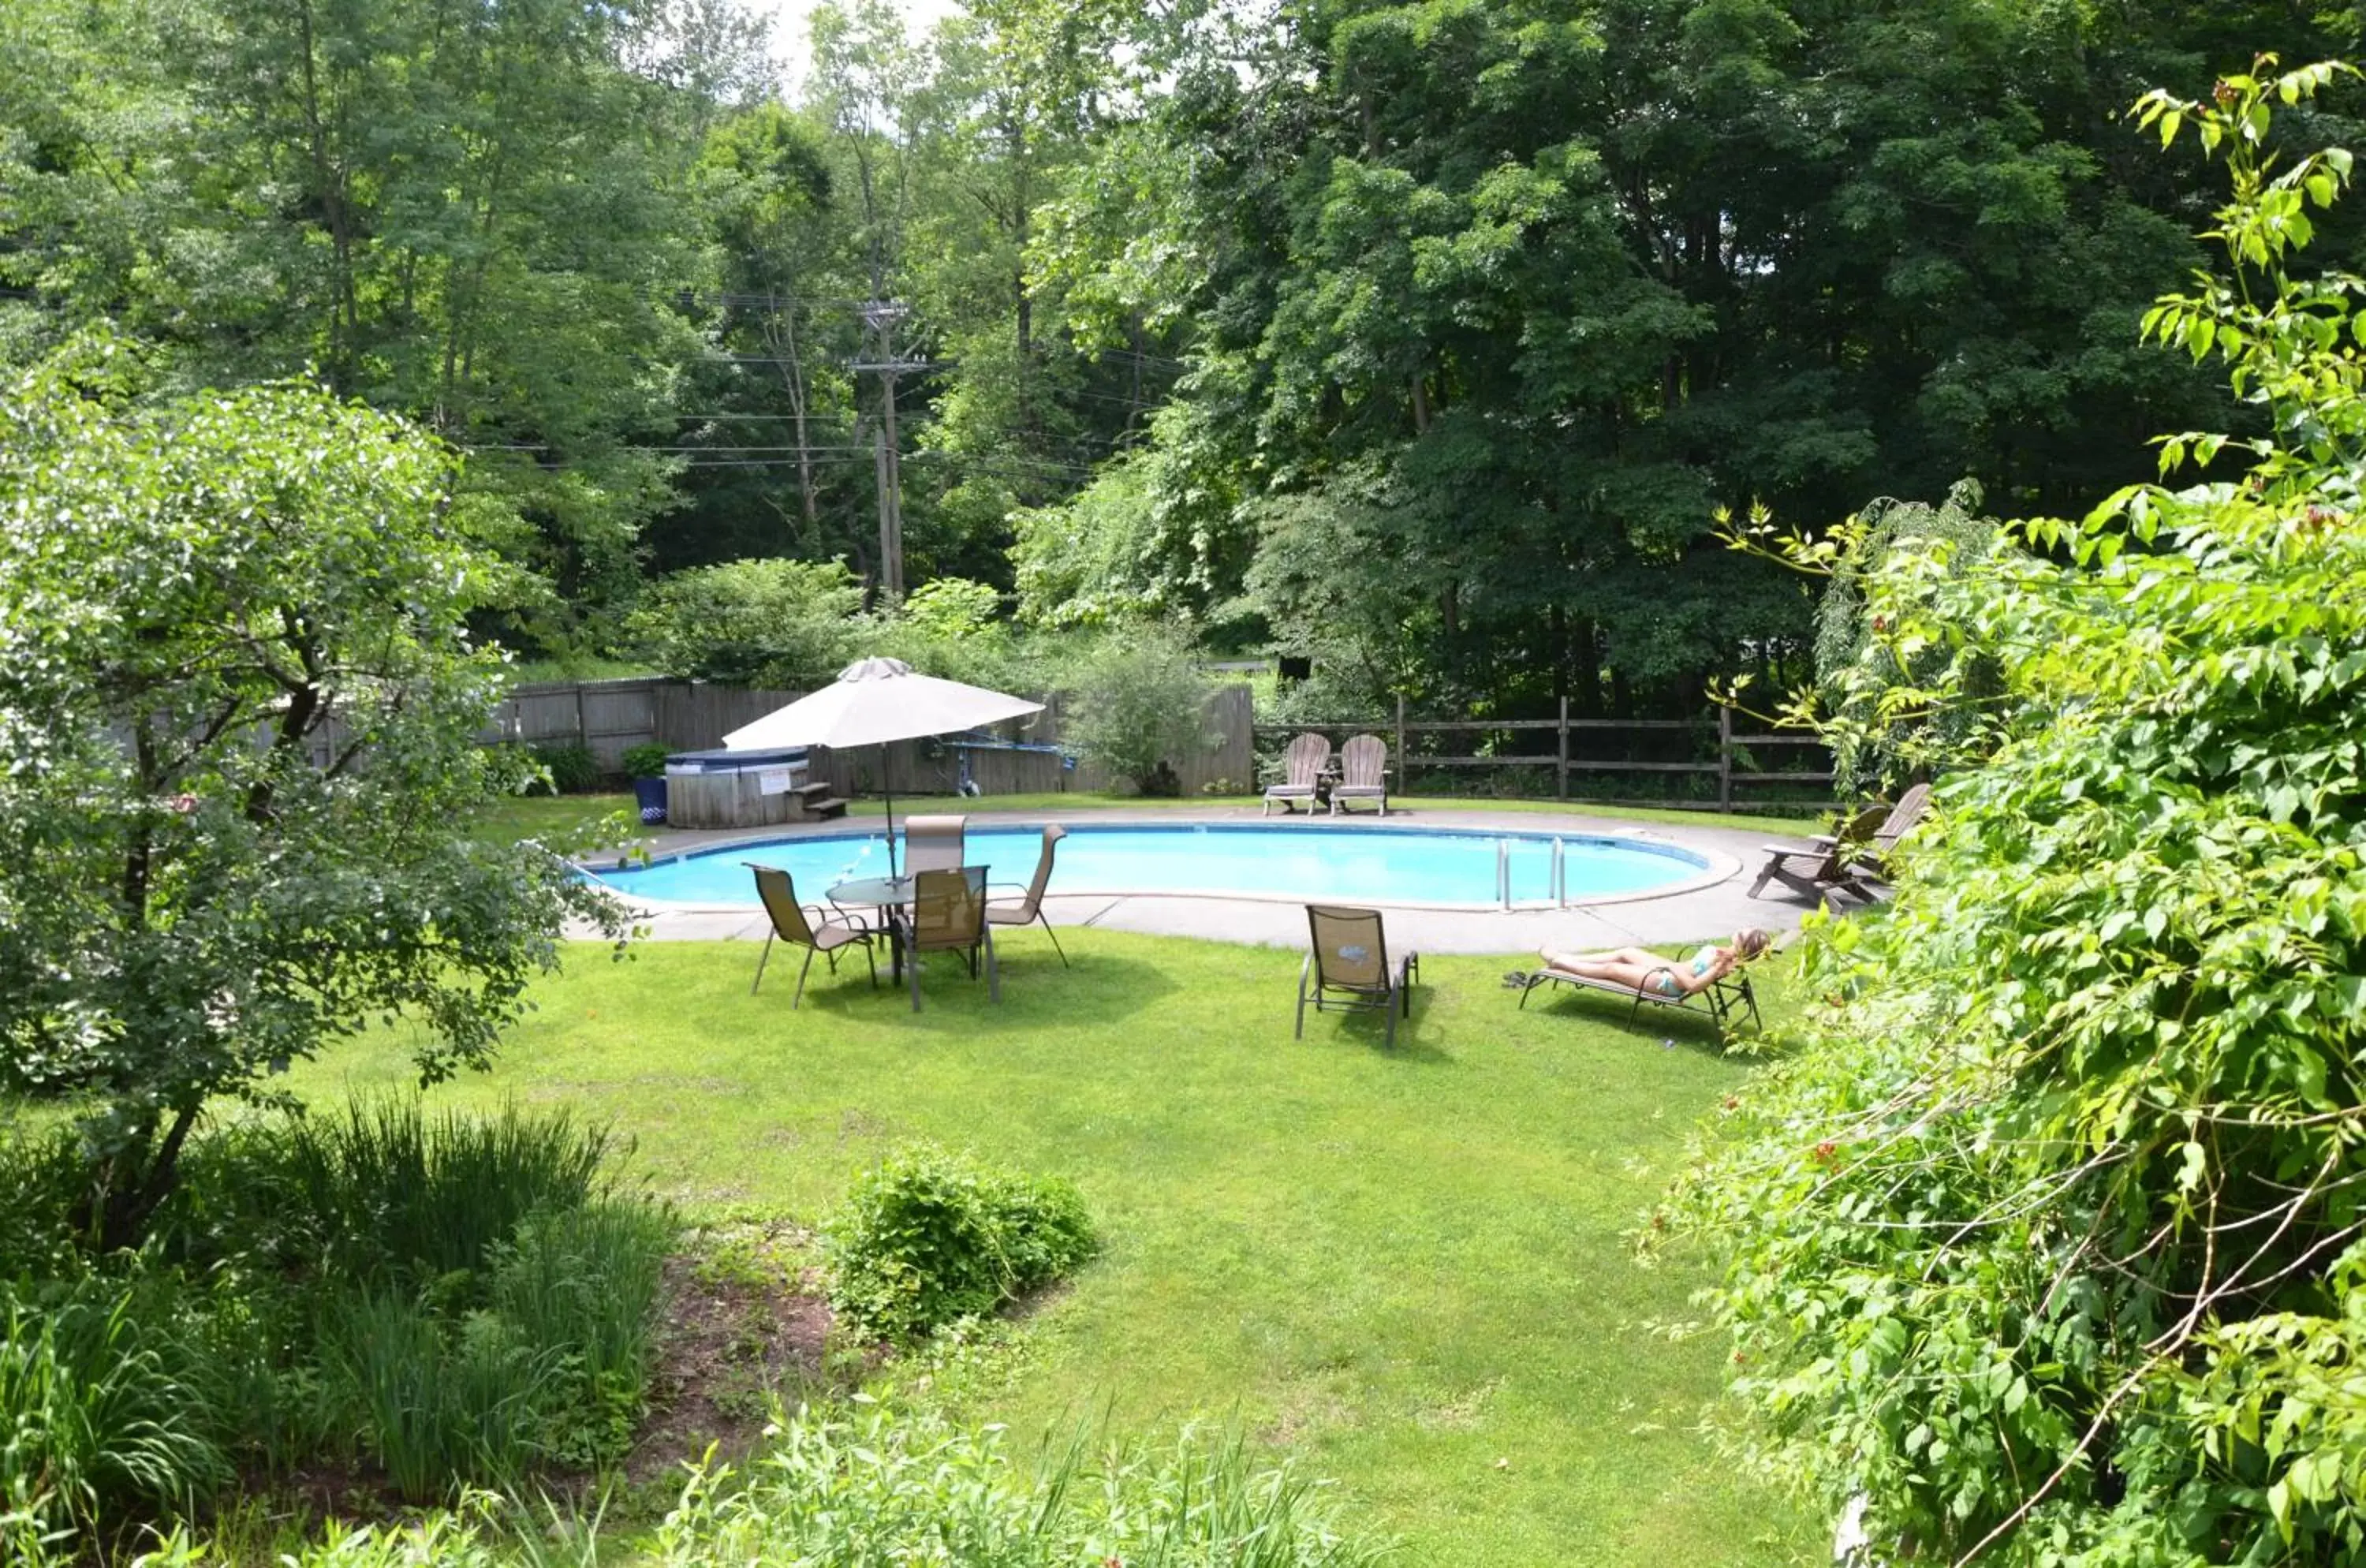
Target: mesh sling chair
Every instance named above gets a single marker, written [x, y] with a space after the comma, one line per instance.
[1348, 968]
[1029, 906]
[1303, 772]
[791, 924]
[949, 916]
[932, 843]
[1363, 774]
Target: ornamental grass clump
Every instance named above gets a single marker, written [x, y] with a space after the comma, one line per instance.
[2048, 1242]
[927, 1236]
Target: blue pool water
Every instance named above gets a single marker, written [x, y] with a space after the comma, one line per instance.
[1302, 861]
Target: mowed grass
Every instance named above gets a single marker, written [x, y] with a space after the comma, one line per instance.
[1406, 1267]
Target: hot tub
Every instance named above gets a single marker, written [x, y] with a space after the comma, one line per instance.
[736, 789]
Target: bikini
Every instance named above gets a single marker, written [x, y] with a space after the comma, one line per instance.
[1664, 980]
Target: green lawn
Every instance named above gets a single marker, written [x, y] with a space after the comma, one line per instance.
[1405, 1268]
[546, 814]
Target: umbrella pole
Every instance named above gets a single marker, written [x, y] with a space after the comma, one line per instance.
[887, 788]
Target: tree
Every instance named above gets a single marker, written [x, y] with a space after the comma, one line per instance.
[240, 706]
[2048, 1241]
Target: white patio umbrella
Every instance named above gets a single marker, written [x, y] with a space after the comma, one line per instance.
[872, 702]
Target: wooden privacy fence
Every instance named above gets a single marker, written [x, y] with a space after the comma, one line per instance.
[1713, 748]
[606, 718]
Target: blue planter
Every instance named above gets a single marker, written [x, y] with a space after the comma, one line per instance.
[651, 795]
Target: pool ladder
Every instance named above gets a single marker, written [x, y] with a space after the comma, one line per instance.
[1556, 876]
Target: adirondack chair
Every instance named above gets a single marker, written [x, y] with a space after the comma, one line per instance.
[1363, 774]
[1302, 773]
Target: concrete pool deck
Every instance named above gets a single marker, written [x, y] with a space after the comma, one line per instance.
[1707, 908]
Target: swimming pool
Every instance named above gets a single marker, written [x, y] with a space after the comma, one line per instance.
[1298, 862]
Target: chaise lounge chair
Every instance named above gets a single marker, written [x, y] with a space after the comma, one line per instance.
[1028, 906]
[1727, 998]
[1301, 775]
[949, 916]
[1349, 968]
[1363, 774]
[791, 924]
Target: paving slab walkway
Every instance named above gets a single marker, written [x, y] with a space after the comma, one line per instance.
[1709, 908]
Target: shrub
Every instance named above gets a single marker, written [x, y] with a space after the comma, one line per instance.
[752, 622]
[101, 1409]
[927, 1236]
[880, 1488]
[2046, 1242]
[1140, 705]
[646, 760]
[566, 768]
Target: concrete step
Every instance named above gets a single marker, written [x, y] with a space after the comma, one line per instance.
[824, 807]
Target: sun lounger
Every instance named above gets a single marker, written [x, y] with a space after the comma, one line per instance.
[1726, 999]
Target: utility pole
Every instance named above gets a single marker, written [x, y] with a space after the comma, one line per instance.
[881, 316]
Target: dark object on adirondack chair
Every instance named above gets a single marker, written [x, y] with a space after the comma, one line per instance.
[1349, 968]
[949, 916]
[793, 924]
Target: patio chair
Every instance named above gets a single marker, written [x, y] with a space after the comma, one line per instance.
[1842, 861]
[791, 924]
[1874, 853]
[1825, 863]
[1348, 968]
[1363, 774]
[932, 843]
[1028, 906]
[949, 916]
[1727, 998]
[1302, 773]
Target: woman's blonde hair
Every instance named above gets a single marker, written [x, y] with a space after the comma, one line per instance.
[1749, 942]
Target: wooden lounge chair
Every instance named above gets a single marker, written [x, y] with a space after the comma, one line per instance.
[1873, 855]
[1028, 906]
[1727, 998]
[791, 924]
[1302, 773]
[1348, 968]
[949, 916]
[1363, 774]
[1825, 863]
[932, 843]
[1843, 862]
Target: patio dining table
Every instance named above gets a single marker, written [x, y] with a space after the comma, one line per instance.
[890, 895]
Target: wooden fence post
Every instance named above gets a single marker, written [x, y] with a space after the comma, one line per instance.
[1561, 787]
[1404, 778]
[582, 730]
[1724, 758]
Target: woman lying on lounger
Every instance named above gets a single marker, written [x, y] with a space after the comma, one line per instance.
[1638, 970]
